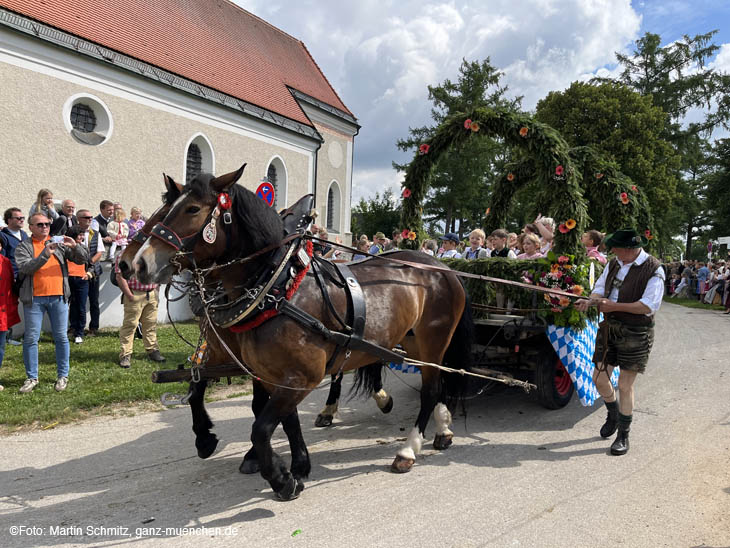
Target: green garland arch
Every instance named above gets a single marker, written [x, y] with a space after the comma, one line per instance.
[564, 177]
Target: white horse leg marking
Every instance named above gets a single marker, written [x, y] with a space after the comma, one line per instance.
[442, 417]
[381, 398]
[412, 446]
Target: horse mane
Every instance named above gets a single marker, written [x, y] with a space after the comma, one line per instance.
[256, 224]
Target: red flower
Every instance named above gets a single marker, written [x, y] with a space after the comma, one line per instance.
[467, 123]
[624, 198]
[510, 177]
[647, 233]
[406, 192]
[423, 149]
[559, 171]
[405, 233]
[563, 259]
[523, 131]
[633, 187]
[563, 229]
[224, 200]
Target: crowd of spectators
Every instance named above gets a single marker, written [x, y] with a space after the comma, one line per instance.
[55, 271]
[707, 282]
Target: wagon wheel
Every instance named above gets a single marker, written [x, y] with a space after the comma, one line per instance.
[554, 385]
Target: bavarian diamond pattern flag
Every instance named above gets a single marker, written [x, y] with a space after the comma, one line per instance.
[575, 349]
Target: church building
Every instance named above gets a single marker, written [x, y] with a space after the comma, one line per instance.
[101, 97]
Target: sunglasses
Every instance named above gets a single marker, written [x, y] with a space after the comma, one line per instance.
[89, 217]
[18, 218]
[43, 225]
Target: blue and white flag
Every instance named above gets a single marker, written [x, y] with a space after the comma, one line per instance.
[404, 367]
[575, 349]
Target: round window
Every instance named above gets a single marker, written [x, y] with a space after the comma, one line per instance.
[87, 119]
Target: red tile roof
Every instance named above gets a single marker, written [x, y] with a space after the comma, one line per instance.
[212, 42]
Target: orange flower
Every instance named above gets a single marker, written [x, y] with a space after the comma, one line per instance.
[412, 235]
[570, 223]
[624, 198]
[599, 175]
[564, 301]
[510, 177]
[524, 131]
[547, 297]
[577, 290]
[475, 126]
[488, 210]
[650, 237]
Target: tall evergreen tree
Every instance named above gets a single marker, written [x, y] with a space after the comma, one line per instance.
[461, 180]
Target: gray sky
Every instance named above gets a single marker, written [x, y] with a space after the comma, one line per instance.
[380, 55]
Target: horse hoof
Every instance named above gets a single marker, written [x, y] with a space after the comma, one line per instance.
[206, 446]
[442, 441]
[249, 466]
[323, 420]
[388, 407]
[401, 465]
[291, 489]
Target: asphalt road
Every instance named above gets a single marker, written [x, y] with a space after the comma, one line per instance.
[517, 474]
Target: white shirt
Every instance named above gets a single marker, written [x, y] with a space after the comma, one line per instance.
[450, 254]
[653, 293]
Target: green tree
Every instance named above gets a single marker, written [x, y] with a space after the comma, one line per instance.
[718, 189]
[378, 214]
[619, 122]
[462, 178]
[677, 80]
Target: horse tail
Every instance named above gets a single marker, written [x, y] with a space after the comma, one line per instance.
[458, 355]
[368, 379]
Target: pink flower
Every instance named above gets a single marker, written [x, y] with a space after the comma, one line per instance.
[563, 229]
[467, 123]
[647, 233]
[406, 192]
[559, 171]
[423, 149]
[563, 259]
[633, 187]
[405, 233]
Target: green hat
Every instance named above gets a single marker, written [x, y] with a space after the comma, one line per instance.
[626, 238]
[379, 236]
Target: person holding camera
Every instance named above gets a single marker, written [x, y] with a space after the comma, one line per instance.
[42, 265]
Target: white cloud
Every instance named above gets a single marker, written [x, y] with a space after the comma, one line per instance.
[381, 55]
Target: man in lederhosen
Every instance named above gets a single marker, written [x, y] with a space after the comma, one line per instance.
[629, 293]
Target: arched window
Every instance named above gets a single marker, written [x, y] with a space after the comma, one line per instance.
[194, 163]
[333, 207]
[277, 176]
[198, 157]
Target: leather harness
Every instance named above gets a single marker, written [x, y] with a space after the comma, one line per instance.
[270, 293]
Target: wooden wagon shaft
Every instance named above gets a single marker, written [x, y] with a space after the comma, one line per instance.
[208, 372]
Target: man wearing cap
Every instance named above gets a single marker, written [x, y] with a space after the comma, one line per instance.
[379, 242]
[450, 241]
[629, 293]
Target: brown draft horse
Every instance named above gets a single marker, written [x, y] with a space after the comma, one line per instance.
[423, 311]
[205, 441]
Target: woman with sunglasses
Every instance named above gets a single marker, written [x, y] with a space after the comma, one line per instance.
[42, 265]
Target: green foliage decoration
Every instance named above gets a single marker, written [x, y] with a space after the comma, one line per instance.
[558, 188]
[538, 272]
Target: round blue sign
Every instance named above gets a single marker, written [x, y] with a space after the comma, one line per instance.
[265, 191]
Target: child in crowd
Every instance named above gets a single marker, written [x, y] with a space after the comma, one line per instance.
[8, 303]
[499, 237]
[135, 222]
[476, 243]
[118, 229]
[591, 240]
[450, 243]
[430, 247]
[512, 243]
[531, 245]
[363, 246]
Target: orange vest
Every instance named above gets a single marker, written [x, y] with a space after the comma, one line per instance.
[48, 280]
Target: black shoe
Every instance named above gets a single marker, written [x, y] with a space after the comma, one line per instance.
[138, 332]
[155, 356]
[92, 333]
[609, 427]
[621, 445]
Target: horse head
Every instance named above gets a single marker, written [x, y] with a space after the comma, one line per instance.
[126, 259]
[213, 220]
